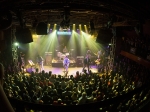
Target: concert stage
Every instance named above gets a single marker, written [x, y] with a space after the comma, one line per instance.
[60, 70]
[74, 62]
[72, 70]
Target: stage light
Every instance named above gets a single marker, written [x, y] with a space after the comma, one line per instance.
[85, 28]
[16, 43]
[80, 28]
[63, 33]
[74, 27]
[48, 28]
[54, 28]
[65, 23]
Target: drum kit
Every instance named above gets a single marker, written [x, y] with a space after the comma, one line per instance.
[61, 55]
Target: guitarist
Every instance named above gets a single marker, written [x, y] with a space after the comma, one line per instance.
[98, 64]
[99, 54]
[86, 62]
[40, 61]
[98, 61]
[66, 63]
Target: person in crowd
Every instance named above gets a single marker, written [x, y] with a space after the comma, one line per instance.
[43, 89]
[5, 105]
[21, 61]
[82, 99]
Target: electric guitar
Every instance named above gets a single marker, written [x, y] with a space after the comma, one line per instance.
[98, 61]
[66, 65]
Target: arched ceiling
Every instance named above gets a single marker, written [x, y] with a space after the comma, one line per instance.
[123, 13]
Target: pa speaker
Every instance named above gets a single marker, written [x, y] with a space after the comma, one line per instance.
[104, 36]
[23, 35]
[79, 61]
[5, 20]
[41, 29]
[92, 25]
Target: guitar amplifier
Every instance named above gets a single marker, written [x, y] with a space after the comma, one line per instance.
[48, 58]
[79, 61]
[81, 57]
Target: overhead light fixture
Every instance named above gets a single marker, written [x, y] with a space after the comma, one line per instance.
[63, 33]
[65, 23]
[92, 27]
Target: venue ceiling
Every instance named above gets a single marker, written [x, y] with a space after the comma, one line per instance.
[101, 12]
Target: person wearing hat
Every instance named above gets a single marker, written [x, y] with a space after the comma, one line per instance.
[66, 63]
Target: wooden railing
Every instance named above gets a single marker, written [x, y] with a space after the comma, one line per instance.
[136, 58]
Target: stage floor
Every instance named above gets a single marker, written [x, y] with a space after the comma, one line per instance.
[72, 70]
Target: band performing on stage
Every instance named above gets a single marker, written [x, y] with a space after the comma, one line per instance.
[66, 60]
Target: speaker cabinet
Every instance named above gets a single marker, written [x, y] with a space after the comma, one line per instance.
[79, 61]
[104, 36]
[23, 35]
[41, 29]
[48, 58]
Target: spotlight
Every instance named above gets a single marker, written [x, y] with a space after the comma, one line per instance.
[16, 44]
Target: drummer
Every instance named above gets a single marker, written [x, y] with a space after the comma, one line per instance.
[65, 50]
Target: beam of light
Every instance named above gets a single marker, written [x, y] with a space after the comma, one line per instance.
[89, 41]
[53, 42]
[50, 43]
[31, 55]
[16, 43]
[48, 28]
[83, 44]
[74, 27]
[37, 47]
[85, 28]
[55, 26]
[63, 33]
[74, 43]
[80, 29]
[42, 44]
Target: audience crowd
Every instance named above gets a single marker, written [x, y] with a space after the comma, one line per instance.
[48, 88]
[141, 46]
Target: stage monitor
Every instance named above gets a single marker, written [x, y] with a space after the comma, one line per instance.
[104, 36]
